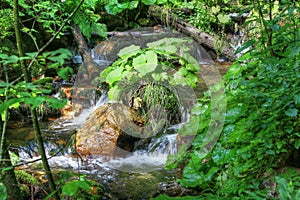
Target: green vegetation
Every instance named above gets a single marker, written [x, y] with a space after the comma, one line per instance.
[260, 139]
[261, 130]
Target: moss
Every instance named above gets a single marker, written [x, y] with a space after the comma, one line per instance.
[158, 101]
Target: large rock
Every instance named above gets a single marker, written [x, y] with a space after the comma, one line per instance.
[102, 132]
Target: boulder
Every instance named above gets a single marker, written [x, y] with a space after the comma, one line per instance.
[103, 133]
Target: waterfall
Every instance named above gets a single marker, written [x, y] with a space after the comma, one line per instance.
[79, 120]
[150, 159]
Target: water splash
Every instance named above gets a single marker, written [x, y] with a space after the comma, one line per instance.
[80, 120]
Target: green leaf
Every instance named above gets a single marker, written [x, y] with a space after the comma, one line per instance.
[133, 5]
[3, 194]
[169, 49]
[114, 75]
[161, 2]
[8, 59]
[297, 99]
[65, 72]
[56, 103]
[113, 9]
[192, 65]
[215, 9]
[192, 80]
[151, 57]
[148, 2]
[146, 68]
[4, 84]
[123, 6]
[245, 46]
[129, 51]
[34, 101]
[292, 112]
[183, 71]
[139, 60]
[70, 188]
[113, 93]
[297, 144]
[99, 29]
[145, 63]
[223, 18]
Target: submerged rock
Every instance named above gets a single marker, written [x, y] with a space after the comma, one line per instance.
[103, 135]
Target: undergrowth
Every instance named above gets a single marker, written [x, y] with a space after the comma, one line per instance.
[261, 132]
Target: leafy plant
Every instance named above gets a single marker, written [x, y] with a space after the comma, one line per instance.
[135, 63]
[261, 127]
[288, 185]
[82, 189]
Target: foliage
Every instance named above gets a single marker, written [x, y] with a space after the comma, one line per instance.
[87, 20]
[148, 74]
[207, 15]
[288, 184]
[5, 23]
[262, 123]
[32, 94]
[80, 188]
[49, 15]
[3, 194]
[135, 63]
[116, 7]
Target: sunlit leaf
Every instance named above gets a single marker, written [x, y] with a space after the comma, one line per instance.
[114, 75]
[224, 19]
[148, 2]
[129, 51]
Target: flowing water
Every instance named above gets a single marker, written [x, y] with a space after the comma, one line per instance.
[133, 177]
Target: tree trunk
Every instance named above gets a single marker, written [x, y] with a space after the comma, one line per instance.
[186, 28]
[34, 116]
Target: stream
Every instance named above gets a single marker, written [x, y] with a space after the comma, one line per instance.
[135, 176]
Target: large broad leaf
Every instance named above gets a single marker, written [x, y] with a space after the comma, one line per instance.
[129, 51]
[151, 57]
[145, 63]
[292, 112]
[114, 76]
[8, 59]
[72, 187]
[167, 41]
[139, 60]
[169, 49]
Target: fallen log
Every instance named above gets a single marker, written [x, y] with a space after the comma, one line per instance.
[201, 37]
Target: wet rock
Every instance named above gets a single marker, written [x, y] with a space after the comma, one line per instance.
[174, 189]
[104, 129]
[71, 110]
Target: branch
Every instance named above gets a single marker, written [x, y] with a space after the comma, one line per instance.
[56, 34]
